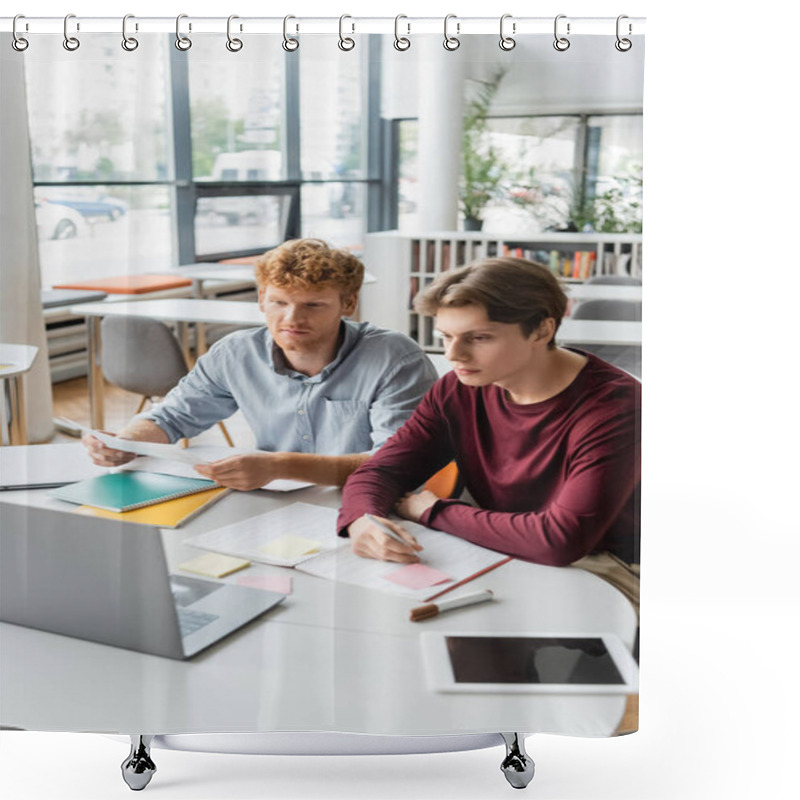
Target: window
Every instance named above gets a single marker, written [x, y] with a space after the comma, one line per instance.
[201, 155]
[101, 159]
[554, 172]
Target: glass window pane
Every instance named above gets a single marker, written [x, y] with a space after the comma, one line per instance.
[90, 232]
[614, 172]
[333, 118]
[237, 110]
[93, 116]
[335, 212]
[235, 223]
[536, 161]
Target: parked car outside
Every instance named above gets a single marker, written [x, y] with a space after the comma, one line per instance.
[93, 208]
[57, 221]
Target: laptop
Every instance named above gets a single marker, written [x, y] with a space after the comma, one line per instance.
[107, 581]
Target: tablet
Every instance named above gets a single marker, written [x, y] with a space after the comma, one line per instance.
[524, 663]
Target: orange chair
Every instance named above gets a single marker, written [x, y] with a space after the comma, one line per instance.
[446, 482]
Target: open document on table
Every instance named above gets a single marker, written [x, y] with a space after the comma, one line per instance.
[303, 535]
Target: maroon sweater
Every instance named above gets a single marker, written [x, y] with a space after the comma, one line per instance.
[554, 481]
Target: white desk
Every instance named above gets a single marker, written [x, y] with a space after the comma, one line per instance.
[331, 657]
[15, 361]
[181, 310]
[600, 291]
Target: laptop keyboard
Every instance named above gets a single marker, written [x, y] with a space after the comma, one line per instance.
[191, 621]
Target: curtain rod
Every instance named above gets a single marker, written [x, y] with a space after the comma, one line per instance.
[346, 25]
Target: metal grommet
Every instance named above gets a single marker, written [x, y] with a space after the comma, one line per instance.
[623, 45]
[561, 43]
[128, 42]
[451, 42]
[71, 43]
[401, 43]
[290, 44]
[182, 42]
[507, 42]
[234, 45]
[345, 42]
[19, 43]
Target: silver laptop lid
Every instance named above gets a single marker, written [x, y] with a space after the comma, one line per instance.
[95, 579]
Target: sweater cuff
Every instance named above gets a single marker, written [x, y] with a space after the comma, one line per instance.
[427, 519]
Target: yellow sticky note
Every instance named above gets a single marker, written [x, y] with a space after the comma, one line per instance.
[289, 547]
[214, 565]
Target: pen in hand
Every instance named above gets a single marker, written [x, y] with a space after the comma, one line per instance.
[388, 531]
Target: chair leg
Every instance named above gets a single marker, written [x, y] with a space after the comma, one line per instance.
[517, 766]
[141, 404]
[225, 433]
[138, 768]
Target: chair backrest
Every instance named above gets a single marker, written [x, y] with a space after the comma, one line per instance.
[615, 280]
[608, 309]
[141, 355]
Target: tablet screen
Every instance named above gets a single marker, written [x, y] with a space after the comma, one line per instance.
[531, 660]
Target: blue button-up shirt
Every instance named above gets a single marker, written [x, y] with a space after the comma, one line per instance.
[353, 406]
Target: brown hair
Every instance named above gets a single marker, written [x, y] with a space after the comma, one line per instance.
[512, 290]
[310, 264]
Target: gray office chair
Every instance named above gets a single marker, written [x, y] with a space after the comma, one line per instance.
[142, 356]
[627, 357]
[615, 280]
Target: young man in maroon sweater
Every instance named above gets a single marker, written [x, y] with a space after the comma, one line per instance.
[547, 439]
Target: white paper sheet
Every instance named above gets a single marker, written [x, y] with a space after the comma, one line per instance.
[456, 557]
[172, 459]
[247, 538]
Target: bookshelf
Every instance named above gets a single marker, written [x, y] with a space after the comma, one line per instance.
[403, 264]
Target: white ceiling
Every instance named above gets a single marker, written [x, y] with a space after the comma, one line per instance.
[591, 76]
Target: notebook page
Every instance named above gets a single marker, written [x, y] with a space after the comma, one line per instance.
[449, 554]
[248, 538]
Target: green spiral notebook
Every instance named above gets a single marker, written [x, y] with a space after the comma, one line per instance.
[127, 490]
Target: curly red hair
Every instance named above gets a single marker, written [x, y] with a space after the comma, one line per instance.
[310, 264]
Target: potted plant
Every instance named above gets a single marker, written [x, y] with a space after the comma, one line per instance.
[483, 168]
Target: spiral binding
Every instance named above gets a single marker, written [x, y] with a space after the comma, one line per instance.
[451, 41]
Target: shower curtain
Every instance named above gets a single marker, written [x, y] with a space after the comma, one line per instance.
[419, 152]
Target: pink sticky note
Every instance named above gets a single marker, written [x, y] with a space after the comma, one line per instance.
[270, 583]
[417, 576]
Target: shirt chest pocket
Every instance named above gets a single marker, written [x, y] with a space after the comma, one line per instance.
[347, 421]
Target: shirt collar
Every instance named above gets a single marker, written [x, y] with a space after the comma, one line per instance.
[353, 331]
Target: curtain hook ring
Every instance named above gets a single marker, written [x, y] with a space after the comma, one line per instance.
[182, 42]
[19, 43]
[129, 43]
[623, 45]
[345, 42]
[71, 43]
[561, 43]
[507, 42]
[233, 45]
[401, 43]
[451, 42]
[290, 44]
